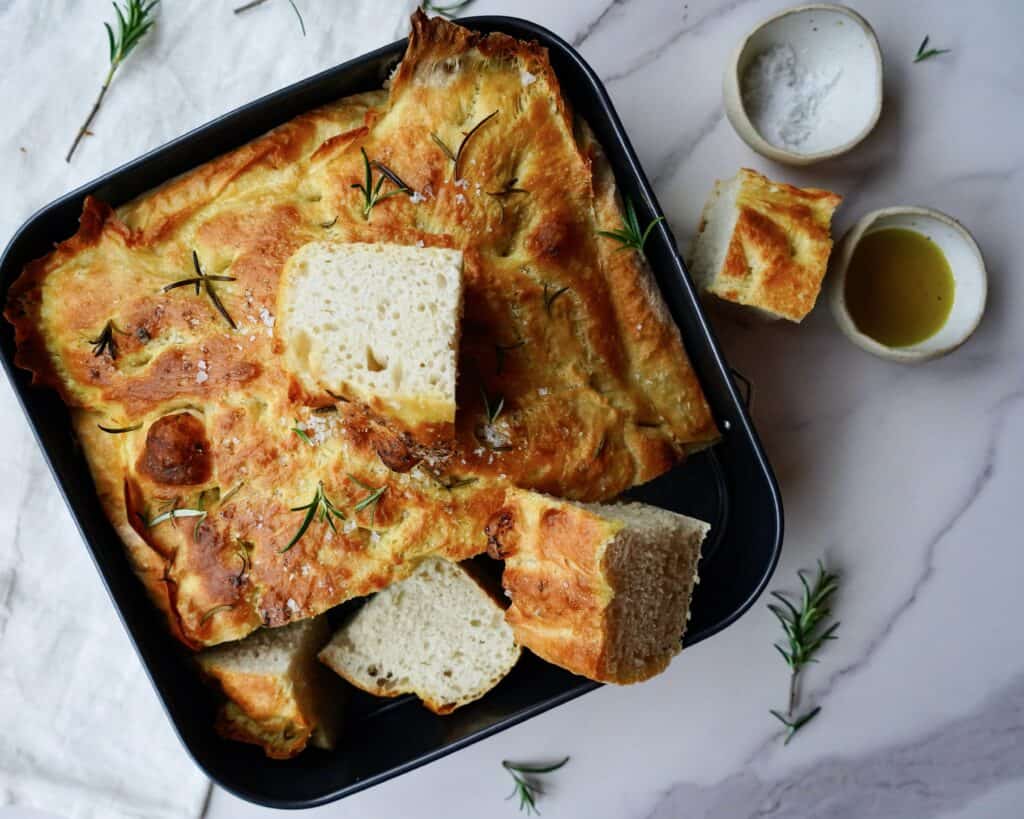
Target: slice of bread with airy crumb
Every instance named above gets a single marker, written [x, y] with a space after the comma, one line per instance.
[376, 323]
[439, 634]
[764, 244]
[601, 590]
[277, 695]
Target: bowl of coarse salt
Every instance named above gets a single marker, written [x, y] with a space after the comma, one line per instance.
[806, 84]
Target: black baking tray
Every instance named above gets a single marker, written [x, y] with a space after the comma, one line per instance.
[731, 485]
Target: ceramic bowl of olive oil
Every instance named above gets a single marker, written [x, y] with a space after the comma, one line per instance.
[908, 284]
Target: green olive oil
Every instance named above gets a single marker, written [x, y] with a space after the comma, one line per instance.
[899, 287]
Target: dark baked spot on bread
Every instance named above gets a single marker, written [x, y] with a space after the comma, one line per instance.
[177, 451]
[554, 238]
[395, 452]
[502, 537]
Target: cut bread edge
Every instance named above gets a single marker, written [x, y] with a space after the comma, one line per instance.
[275, 694]
[348, 656]
[600, 590]
[378, 324]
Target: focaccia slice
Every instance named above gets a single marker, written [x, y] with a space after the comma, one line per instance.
[601, 590]
[764, 244]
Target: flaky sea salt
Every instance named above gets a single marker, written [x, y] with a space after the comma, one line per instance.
[526, 78]
[783, 98]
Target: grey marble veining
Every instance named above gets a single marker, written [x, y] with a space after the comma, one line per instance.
[925, 776]
[908, 479]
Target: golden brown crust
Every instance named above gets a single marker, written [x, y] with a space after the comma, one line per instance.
[554, 574]
[597, 392]
[778, 252]
[589, 597]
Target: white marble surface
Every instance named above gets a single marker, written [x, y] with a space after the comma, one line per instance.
[908, 479]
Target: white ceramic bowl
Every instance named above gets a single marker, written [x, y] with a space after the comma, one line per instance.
[832, 43]
[965, 261]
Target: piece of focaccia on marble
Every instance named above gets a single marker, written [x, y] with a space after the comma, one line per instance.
[764, 244]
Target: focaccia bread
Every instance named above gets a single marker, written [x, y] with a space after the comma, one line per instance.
[764, 244]
[245, 497]
[276, 694]
[377, 323]
[601, 590]
[439, 634]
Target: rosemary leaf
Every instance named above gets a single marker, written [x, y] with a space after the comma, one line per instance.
[443, 146]
[492, 409]
[302, 434]
[174, 514]
[925, 53]
[467, 136]
[508, 189]
[499, 354]
[254, 3]
[396, 180]
[551, 295]
[373, 497]
[231, 492]
[120, 430]
[792, 726]
[214, 610]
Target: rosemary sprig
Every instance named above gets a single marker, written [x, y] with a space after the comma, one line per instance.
[371, 193]
[214, 610]
[499, 354]
[925, 53]
[254, 3]
[133, 21]
[320, 504]
[105, 341]
[376, 492]
[302, 434]
[448, 11]
[120, 430]
[466, 137]
[527, 787]
[551, 294]
[806, 633]
[204, 281]
[630, 236]
[492, 410]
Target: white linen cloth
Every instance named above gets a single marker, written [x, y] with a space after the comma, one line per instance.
[82, 733]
